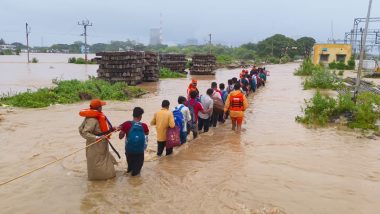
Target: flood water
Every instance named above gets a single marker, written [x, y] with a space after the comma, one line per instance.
[274, 166]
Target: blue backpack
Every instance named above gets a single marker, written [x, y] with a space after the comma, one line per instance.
[178, 117]
[135, 143]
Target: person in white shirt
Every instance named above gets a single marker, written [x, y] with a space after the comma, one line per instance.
[207, 103]
[186, 117]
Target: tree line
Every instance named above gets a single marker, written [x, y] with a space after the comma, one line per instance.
[275, 49]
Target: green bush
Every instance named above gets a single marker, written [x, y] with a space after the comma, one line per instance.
[80, 60]
[34, 60]
[72, 60]
[273, 60]
[167, 73]
[341, 72]
[351, 63]
[307, 68]
[320, 110]
[332, 65]
[224, 59]
[71, 91]
[322, 79]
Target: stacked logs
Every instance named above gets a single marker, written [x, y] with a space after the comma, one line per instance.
[174, 62]
[131, 67]
[151, 72]
[203, 64]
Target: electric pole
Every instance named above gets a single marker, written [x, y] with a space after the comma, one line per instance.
[209, 43]
[362, 49]
[27, 31]
[85, 24]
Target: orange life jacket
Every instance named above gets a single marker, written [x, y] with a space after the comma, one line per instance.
[237, 102]
[104, 127]
[191, 88]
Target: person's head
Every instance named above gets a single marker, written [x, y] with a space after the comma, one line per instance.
[230, 82]
[237, 86]
[210, 91]
[222, 86]
[165, 104]
[194, 82]
[137, 113]
[234, 80]
[193, 94]
[214, 85]
[181, 100]
[97, 104]
[247, 76]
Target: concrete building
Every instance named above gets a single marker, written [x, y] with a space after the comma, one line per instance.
[327, 53]
[155, 36]
[7, 47]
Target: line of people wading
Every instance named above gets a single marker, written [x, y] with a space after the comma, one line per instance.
[196, 114]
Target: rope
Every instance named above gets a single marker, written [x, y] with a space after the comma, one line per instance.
[55, 161]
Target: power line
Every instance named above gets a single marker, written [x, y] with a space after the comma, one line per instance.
[85, 24]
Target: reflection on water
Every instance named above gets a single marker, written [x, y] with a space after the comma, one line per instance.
[274, 166]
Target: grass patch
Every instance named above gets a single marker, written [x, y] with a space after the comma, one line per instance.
[322, 79]
[34, 60]
[307, 68]
[321, 110]
[167, 73]
[71, 91]
[79, 60]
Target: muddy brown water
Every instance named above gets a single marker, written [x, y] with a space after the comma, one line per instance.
[274, 166]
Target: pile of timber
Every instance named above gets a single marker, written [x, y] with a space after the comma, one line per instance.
[131, 67]
[151, 72]
[174, 62]
[203, 64]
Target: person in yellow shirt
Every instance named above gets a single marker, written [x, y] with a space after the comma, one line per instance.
[163, 119]
[236, 103]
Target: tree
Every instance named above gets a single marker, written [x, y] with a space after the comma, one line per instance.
[2, 42]
[305, 46]
[98, 47]
[277, 46]
[249, 46]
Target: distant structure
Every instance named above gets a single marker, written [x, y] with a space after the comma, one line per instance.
[155, 36]
[85, 24]
[327, 53]
[191, 41]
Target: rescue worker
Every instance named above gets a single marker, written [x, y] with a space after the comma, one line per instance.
[192, 87]
[100, 162]
[236, 103]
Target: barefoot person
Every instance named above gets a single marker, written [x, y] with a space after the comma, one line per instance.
[236, 103]
[100, 162]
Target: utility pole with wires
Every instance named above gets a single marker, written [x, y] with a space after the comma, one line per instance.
[85, 24]
[27, 31]
[362, 50]
[209, 43]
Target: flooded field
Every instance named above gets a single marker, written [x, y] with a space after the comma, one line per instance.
[18, 76]
[275, 164]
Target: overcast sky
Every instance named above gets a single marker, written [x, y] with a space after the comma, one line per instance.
[231, 22]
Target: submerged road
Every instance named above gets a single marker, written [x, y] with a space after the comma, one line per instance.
[274, 165]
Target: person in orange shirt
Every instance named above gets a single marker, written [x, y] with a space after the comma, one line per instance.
[192, 87]
[236, 103]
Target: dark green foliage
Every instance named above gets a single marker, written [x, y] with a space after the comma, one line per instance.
[320, 110]
[71, 91]
[79, 60]
[167, 73]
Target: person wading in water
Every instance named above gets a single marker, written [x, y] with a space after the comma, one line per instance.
[100, 162]
[236, 103]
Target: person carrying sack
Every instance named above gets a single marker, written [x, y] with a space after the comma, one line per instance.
[163, 120]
